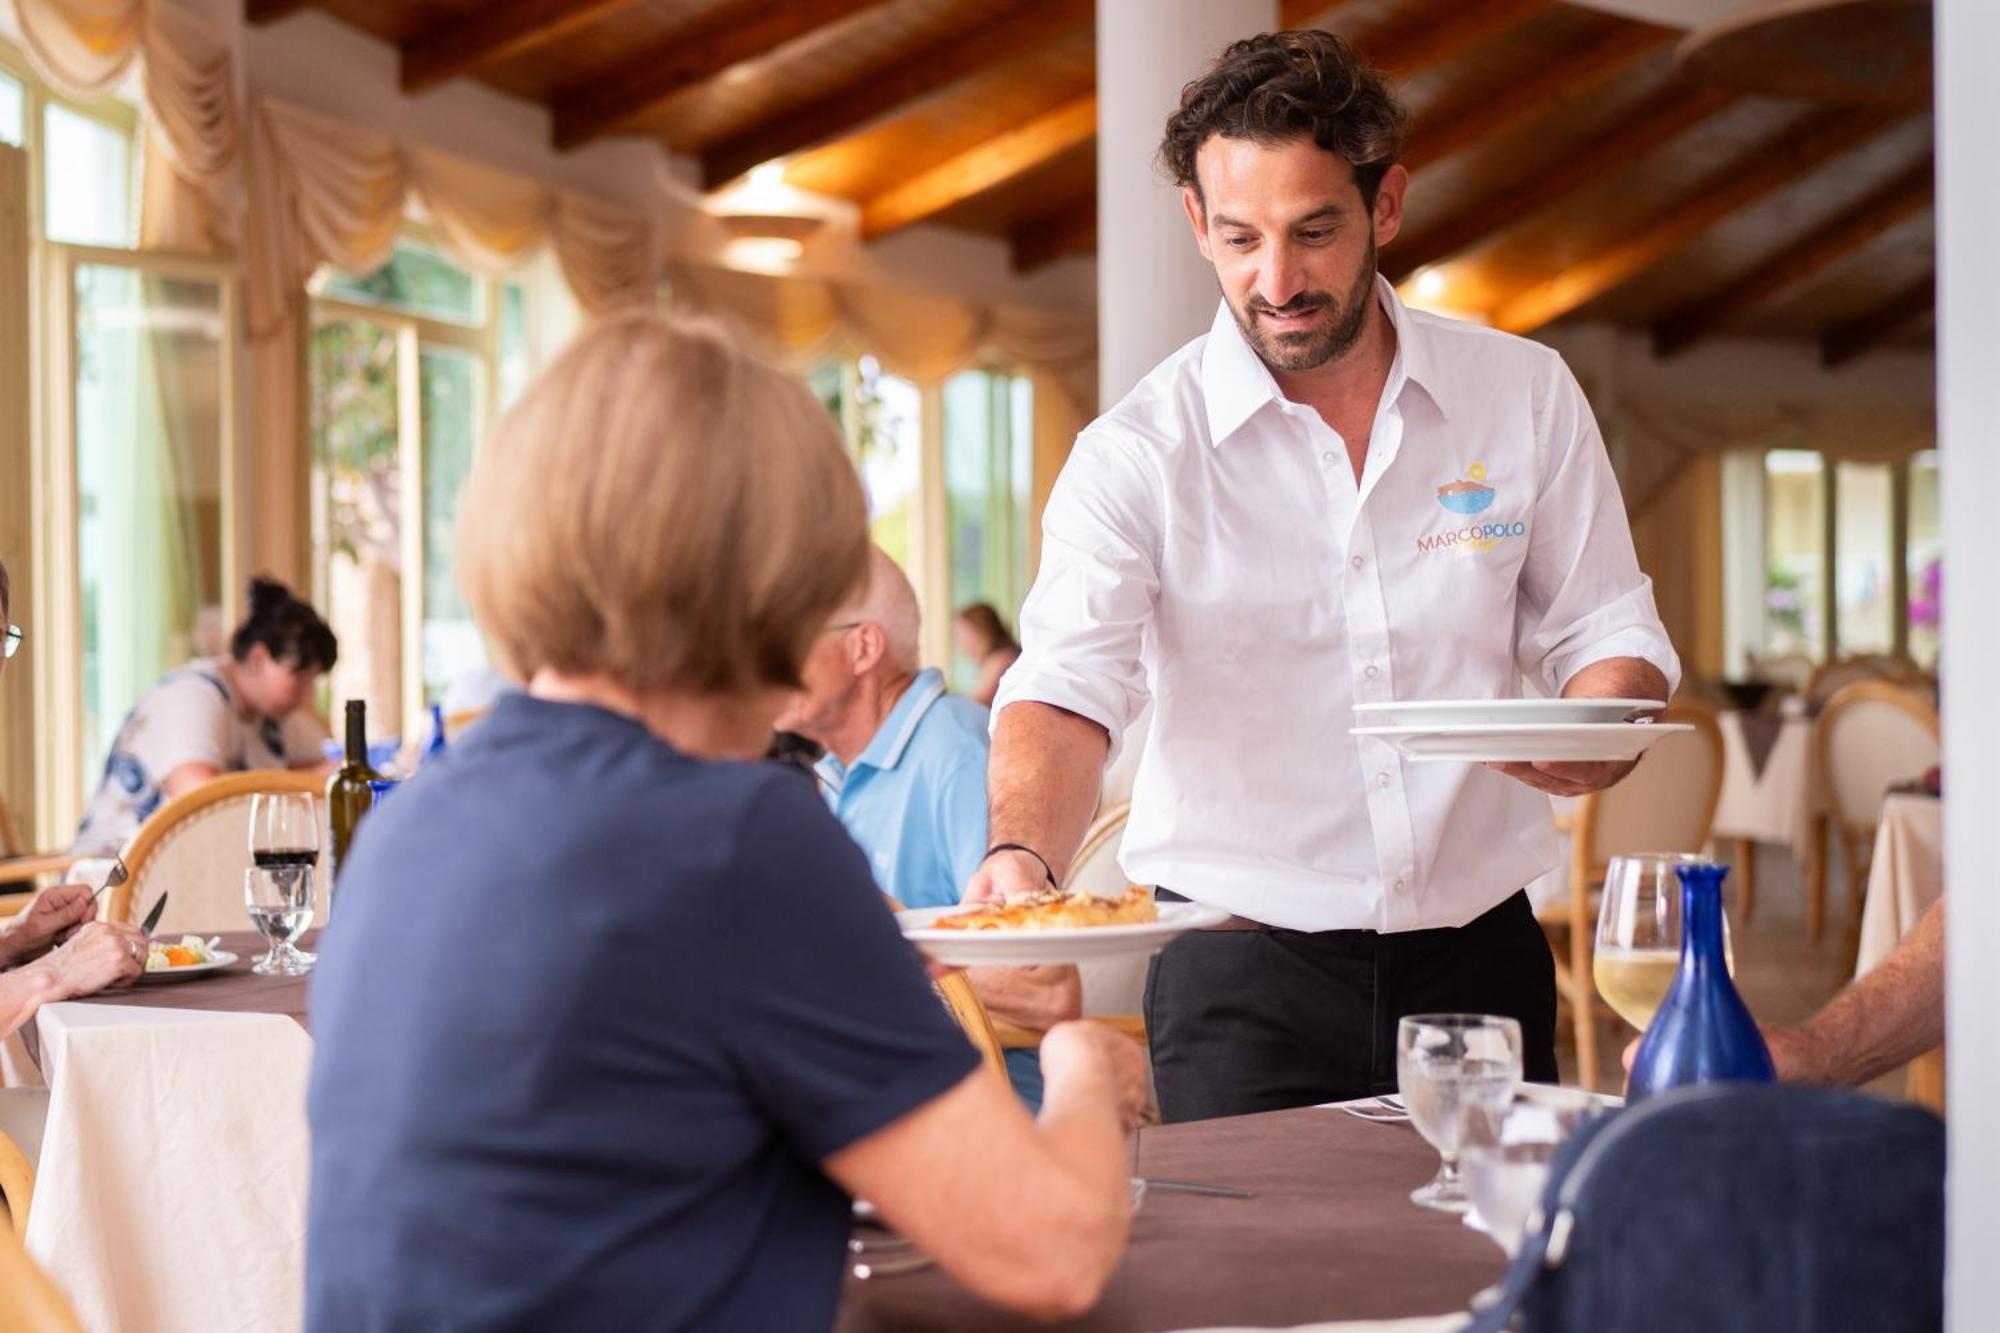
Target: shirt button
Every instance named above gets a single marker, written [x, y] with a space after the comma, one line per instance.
[1382, 781]
[1402, 886]
[1356, 562]
[1327, 458]
[1372, 672]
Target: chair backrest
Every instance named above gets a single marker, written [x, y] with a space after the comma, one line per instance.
[1112, 987]
[966, 1007]
[1791, 670]
[197, 847]
[29, 1302]
[1667, 803]
[1869, 736]
[1834, 677]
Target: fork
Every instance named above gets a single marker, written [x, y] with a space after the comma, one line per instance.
[117, 876]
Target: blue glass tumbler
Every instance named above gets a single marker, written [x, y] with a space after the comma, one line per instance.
[1703, 1032]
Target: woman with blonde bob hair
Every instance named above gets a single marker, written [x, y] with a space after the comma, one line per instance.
[611, 1022]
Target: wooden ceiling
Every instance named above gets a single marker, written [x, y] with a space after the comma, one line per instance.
[1563, 168]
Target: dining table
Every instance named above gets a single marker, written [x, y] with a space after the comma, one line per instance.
[1905, 877]
[170, 1192]
[1771, 793]
[1330, 1234]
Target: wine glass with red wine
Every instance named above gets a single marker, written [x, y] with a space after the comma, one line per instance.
[284, 847]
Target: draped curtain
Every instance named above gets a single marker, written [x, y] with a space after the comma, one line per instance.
[324, 192]
[192, 195]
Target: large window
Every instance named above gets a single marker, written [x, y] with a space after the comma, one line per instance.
[410, 365]
[1849, 554]
[135, 557]
[988, 465]
[948, 472]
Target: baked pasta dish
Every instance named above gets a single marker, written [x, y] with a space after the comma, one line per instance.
[1055, 911]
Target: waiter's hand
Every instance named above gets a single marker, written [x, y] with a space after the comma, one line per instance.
[1568, 779]
[1006, 876]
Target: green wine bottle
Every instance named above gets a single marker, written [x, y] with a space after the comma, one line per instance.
[347, 794]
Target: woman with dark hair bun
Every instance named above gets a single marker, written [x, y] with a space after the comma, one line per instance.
[217, 715]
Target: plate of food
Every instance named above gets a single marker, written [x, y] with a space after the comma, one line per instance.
[1582, 742]
[1052, 927]
[191, 956]
[1502, 712]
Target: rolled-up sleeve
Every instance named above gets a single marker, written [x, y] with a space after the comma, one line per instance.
[1583, 597]
[1084, 624]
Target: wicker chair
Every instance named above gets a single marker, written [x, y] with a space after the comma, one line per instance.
[197, 847]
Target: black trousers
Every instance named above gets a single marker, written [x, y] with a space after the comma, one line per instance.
[1263, 1019]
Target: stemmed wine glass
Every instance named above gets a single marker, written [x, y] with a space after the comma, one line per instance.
[1443, 1063]
[278, 889]
[1638, 948]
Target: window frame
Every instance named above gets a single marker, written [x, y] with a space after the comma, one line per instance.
[484, 341]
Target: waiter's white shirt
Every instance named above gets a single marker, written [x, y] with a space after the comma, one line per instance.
[1207, 545]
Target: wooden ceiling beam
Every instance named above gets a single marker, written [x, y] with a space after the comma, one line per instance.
[981, 167]
[1045, 240]
[730, 35]
[1852, 338]
[455, 47]
[261, 12]
[1738, 184]
[1897, 200]
[1303, 13]
[1551, 82]
[1665, 116]
[1421, 44]
[880, 91]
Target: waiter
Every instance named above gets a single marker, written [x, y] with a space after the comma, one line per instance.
[1327, 499]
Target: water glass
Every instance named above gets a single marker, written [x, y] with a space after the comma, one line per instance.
[1443, 1063]
[1505, 1151]
[1639, 933]
[280, 900]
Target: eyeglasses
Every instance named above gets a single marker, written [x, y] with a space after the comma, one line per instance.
[842, 627]
[13, 639]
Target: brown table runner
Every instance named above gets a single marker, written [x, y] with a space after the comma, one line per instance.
[1760, 737]
[234, 989]
[1332, 1234]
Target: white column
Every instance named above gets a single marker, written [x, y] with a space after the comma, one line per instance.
[1154, 292]
[1968, 105]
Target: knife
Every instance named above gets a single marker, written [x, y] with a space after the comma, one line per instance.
[153, 917]
[1194, 1187]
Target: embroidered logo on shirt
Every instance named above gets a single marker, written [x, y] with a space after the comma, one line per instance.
[1470, 495]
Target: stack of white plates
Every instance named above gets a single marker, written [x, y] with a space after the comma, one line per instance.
[1493, 731]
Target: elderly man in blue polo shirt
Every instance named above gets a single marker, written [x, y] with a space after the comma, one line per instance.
[905, 772]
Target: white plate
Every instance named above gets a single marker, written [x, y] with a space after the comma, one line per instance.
[1499, 712]
[1579, 743]
[218, 960]
[1022, 948]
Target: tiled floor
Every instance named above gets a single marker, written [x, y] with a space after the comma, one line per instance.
[1783, 977]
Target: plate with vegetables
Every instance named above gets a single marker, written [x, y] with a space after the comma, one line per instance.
[191, 956]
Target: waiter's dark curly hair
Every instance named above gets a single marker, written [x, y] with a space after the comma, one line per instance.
[1290, 85]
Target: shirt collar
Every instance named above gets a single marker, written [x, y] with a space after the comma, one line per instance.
[893, 737]
[1235, 382]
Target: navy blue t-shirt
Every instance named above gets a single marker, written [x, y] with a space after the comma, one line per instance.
[589, 1014]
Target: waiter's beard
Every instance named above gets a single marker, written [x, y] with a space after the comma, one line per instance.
[1308, 349]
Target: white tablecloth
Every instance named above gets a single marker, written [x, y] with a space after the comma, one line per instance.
[171, 1191]
[1777, 805]
[1905, 876]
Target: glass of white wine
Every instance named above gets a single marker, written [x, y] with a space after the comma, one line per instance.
[1639, 933]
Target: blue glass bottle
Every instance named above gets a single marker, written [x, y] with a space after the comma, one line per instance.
[1703, 1032]
[435, 746]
